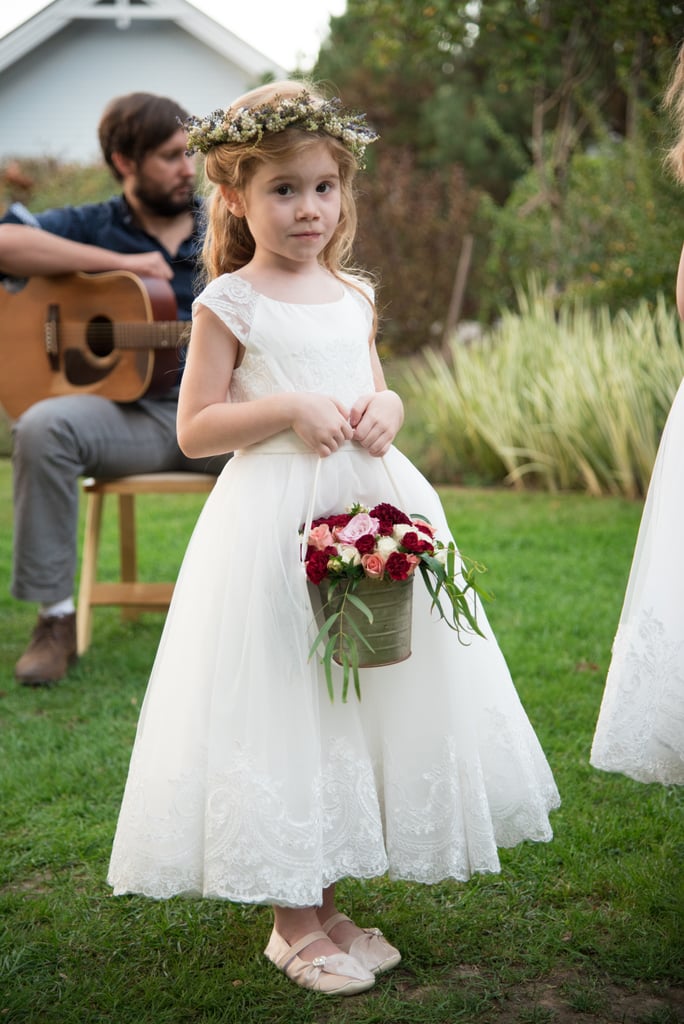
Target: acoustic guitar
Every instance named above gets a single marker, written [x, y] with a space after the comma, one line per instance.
[112, 334]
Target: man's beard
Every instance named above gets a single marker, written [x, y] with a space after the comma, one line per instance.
[160, 203]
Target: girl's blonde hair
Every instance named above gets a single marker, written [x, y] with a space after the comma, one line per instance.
[228, 243]
[673, 100]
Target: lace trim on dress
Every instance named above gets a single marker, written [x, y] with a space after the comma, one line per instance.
[640, 730]
[442, 829]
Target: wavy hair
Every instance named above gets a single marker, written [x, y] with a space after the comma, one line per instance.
[673, 101]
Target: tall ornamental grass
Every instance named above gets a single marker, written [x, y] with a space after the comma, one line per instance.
[574, 399]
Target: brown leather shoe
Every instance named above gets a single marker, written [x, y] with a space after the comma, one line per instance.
[51, 650]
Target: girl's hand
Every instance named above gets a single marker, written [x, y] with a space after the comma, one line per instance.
[321, 422]
[376, 420]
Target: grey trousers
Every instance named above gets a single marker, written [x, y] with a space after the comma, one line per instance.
[59, 440]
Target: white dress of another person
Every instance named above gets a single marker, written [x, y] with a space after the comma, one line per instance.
[640, 728]
[246, 781]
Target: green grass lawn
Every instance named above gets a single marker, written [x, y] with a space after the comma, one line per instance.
[584, 928]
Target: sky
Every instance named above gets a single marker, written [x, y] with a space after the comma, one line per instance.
[288, 31]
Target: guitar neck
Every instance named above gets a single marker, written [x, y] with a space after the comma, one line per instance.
[157, 334]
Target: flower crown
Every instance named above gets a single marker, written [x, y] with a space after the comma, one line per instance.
[250, 124]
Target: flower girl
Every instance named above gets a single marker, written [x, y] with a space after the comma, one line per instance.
[246, 782]
[640, 728]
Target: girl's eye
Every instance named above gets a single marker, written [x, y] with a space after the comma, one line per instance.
[325, 186]
[283, 190]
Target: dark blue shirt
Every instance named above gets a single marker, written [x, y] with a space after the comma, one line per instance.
[111, 225]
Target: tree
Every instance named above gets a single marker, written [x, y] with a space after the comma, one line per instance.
[504, 89]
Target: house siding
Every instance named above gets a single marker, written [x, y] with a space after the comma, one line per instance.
[52, 98]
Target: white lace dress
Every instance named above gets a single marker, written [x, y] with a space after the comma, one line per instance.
[246, 782]
[640, 728]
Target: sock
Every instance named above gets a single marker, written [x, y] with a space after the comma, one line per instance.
[59, 608]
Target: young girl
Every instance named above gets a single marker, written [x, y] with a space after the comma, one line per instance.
[640, 728]
[247, 782]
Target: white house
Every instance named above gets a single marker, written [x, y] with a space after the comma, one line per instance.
[59, 69]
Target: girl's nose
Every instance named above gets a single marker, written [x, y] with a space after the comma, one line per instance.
[307, 208]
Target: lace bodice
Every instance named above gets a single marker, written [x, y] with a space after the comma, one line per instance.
[321, 348]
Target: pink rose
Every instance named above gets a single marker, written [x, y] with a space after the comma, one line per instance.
[424, 526]
[373, 566]
[321, 538]
[413, 561]
[358, 526]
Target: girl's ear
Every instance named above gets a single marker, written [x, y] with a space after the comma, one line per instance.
[233, 200]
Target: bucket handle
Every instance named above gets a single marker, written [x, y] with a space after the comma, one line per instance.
[314, 488]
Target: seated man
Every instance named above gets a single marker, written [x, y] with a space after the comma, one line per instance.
[154, 230]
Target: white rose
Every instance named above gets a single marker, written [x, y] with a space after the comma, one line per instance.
[349, 554]
[400, 529]
[385, 546]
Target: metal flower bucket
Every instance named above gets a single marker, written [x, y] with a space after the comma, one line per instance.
[388, 635]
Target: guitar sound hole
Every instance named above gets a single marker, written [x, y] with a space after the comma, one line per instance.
[100, 336]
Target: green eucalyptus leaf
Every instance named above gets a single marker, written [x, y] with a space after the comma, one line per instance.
[361, 605]
[323, 632]
[327, 665]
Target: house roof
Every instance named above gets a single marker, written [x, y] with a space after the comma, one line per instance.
[61, 13]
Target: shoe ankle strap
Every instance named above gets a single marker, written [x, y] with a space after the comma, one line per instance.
[332, 921]
[296, 947]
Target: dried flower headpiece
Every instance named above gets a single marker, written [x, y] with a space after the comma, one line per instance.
[251, 124]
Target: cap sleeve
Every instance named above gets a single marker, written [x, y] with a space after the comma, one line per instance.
[233, 300]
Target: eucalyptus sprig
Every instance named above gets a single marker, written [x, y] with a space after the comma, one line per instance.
[443, 569]
[335, 637]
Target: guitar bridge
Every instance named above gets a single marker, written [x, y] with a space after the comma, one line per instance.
[51, 330]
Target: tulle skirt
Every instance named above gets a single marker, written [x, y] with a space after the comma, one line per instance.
[247, 783]
[640, 728]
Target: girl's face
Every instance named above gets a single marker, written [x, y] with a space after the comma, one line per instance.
[292, 206]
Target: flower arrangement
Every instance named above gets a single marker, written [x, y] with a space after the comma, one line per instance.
[384, 545]
[303, 111]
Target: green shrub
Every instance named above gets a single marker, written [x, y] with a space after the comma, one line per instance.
[612, 236]
[41, 184]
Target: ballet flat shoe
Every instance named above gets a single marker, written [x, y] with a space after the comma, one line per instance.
[371, 949]
[336, 975]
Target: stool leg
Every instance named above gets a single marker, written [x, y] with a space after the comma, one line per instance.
[91, 544]
[128, 554]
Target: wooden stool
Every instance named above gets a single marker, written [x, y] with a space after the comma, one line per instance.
[132, 595]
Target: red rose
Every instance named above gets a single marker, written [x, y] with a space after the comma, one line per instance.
[365, 545]
[398, 566]
[338, 520]
[388, 516]
[413, 543]
[327, 551]
[317, 566]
